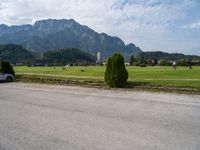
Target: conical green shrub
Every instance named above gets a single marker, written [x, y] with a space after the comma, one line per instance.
[116, 74]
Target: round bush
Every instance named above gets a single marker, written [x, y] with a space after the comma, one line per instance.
[116, 74]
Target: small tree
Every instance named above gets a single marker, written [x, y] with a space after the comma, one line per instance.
[7, 68]
[155, 62]
[133, 61]
[116, 74]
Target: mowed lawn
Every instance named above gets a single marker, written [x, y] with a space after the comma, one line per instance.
[162, 76]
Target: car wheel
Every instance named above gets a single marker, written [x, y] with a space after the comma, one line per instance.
[9, 79]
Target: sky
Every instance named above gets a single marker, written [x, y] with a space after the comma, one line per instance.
[153, 25]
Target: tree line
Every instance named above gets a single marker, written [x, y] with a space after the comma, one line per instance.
[164, 59]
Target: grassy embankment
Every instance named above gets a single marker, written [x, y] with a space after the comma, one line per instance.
[165, 77]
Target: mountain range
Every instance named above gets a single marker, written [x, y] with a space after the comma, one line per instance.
[54, 34]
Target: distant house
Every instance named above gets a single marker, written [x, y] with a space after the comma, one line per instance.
[19, 64]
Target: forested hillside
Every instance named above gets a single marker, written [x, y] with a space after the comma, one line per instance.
[66, 56]
[15, 53]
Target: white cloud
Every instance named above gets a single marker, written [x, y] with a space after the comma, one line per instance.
[105, 11]
[195, 25]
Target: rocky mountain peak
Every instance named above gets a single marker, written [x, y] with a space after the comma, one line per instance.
[53, 34]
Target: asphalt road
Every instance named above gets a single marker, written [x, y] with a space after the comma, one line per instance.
[40, 117]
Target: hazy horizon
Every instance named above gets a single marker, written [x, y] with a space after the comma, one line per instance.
[153, 25]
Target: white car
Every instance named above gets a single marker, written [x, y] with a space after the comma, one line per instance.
[6, 77]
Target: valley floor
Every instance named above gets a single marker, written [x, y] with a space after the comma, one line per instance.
[183, 77]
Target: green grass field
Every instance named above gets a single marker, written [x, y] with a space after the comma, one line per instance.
[157, 76]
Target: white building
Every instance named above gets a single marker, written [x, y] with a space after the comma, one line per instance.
[98, 57]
